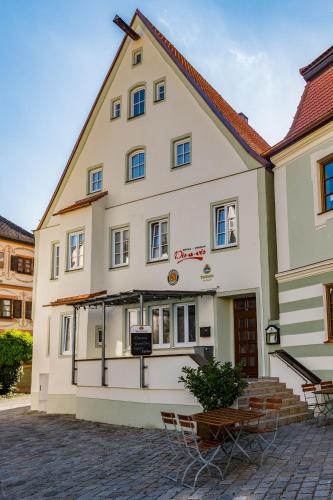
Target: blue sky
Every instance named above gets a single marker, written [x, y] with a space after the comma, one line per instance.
[54, 55]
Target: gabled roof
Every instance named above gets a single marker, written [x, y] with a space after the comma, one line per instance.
[249, 139]
[316, 105]
[12, 232]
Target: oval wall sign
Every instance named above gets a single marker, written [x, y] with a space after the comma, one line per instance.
[173, 277]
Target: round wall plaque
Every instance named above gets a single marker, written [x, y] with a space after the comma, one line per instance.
[173, 277]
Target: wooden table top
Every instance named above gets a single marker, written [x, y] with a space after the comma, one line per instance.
[226, 416]
[325, 391]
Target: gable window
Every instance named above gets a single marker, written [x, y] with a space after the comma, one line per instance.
[137, 101]
[75, 250]
[28, 310]
[137, 57]
[136, 165]
[5, 308]
[182, 152]
[95, 180]
[327, 186]
[225, 225]
[22, 265]
[2, 260]
[158, 240]
[66, 334]
[329, 305]
[115, 109]
[159, 91]
[133, 319]
[185, 328]
[55, 260]
[160, 322]
[119, 247]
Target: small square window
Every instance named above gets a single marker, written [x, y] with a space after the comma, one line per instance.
[137, 57]
[95, 180]
[115, 109]
[159, 91]
[182, 152]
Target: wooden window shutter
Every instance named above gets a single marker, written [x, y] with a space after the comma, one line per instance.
[28, 310]
[17, 309]
[13, 263]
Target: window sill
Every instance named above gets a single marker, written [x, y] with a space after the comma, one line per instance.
[157, 261]
[129, 181]
[330, 210]
[221, 249]
[178, 167]
[113, 118]
[94, 192]
[74, 270]
[129, 118]
[115, 268]
[156, 101]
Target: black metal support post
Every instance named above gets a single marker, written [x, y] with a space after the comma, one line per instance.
[103, 367]
[74, 346]
[142, 358]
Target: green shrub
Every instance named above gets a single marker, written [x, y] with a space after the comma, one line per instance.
[214, 385]
[15, 349]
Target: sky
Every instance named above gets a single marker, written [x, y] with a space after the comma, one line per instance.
[54, 55]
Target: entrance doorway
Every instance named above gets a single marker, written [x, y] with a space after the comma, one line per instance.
[246, 345]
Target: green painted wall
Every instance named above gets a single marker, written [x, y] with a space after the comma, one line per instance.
[307, 245]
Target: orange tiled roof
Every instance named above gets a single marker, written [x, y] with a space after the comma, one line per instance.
[84, 202]
[242, 128]
[316, 105]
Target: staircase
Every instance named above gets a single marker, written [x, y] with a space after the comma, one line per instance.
[293, 409]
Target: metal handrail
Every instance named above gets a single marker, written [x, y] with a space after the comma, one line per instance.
[301, 370]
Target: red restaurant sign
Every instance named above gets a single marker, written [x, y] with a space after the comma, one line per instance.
[196, 253]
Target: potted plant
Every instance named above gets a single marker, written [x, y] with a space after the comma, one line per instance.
[214, 385]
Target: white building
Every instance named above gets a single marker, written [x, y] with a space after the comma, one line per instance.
[164, 191]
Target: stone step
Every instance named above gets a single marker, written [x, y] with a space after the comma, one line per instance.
[287, 398]
[266, 389]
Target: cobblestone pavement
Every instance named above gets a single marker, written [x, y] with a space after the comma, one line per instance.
[55, 456]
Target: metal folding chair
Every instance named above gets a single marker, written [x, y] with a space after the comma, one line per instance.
[201, 451]
[319, 408]
[175, 442]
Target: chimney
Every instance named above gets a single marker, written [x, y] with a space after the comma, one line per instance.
[245, 118]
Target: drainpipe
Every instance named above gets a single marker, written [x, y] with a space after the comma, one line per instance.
[73, 346]
[142, 359]
[103, 367]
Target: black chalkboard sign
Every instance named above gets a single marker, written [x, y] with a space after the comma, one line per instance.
[141, 341]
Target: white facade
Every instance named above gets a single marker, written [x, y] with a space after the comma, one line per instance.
[220, 172]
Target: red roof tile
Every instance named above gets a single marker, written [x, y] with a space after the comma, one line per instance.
[242, 128]
[84, 202]
[316, 105]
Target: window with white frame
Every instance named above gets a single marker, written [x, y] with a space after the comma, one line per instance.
[75, 250]
[137, 102]
[55, 260]
[66, 334]
[95, 180]
[160, 323]
[182, 152]
[185, 324]
[159, 91]
[136, 165]
[133, 319]
[115, 108]
[137, 57]
[120, 247]
[225, 225]
[158, 240]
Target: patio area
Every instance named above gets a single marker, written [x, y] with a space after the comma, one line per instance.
[58, 456]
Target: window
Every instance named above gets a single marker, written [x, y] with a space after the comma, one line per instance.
[95, 180]
[5, 308]
[225, 225]
[133, 319]
[22, 265]
[327, 186]
[75, 250]
[55, 260]
[119, 243]
[137, 57]
[182, 152]
[115, 109]
[2, 260]
[158, 240]
[160, 323]
[159, 91]
[185, 329]
[137, 101]
[98, 336]
[329, 290]
[28, 310]
[66, 334]
[17, 309]
[136, 165]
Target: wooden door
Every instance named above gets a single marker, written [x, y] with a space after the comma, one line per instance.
[246, 345]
